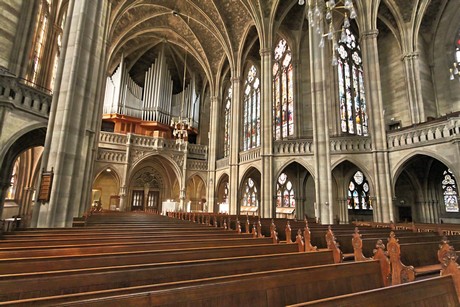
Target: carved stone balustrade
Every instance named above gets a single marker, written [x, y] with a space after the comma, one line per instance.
[429, 133]
[250, 155]
[351, 144]
[14, 92]
[112, 148]
[293, 147]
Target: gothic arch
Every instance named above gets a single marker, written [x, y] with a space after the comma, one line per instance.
[399, 165]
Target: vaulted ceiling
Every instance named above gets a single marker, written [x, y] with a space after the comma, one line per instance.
[212, 32]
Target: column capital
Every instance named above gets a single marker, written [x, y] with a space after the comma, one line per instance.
[369, 34]
[409, 55]
[265, 51]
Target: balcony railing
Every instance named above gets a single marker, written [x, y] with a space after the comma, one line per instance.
[23, 96]
[350, 144]
[112, 141]
[438, 131]
[293, 147]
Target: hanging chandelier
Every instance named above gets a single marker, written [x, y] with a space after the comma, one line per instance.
[320, 16]
[454, 72]
[180, 124]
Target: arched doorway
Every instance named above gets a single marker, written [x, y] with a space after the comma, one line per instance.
[105, 192]
[223, 190]
[151, 184]
[196, 195]
[426, 191]
[19, 172]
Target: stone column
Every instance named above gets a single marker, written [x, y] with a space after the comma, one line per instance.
[76, 113]
[212, 153]
[183, 180]
[235, 145]
[124, 180]
[414, 87]
[266, 147]
[383, 210]
[321, 144]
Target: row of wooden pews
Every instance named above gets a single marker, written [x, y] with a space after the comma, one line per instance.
[129, 259]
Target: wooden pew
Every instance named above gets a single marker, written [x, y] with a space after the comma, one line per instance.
[67, 262]
[74, 240]
[82, 249]
[30, 285]
[438, 291]
[268, 288]
[409, 260]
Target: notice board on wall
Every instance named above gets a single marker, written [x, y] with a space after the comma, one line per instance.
[45, 186]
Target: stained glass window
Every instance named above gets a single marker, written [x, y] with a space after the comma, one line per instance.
[449, 187]
[39, 40]
[227, 105]
[283, 102]
[11, 192]
[457, 48]
[251, 119]
[46, 45]
[358, 193]
[285, 196]
[250, 194]
[352, 98]
[226, 190]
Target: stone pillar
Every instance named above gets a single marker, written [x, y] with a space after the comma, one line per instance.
[414, 88]
[383, 210]
[212, 153]
[266, 147]
[183, 180]
[76, 113]
[321, 144]
[124, 202]
[235, 145]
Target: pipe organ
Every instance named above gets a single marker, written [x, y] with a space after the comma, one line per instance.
[155, 102]
[158, 92]
[122, 94]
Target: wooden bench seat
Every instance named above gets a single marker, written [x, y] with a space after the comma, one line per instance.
[438, 291]
[81, 249]
[268, 288]
[55, 240]
[66, 262]
[29, 285]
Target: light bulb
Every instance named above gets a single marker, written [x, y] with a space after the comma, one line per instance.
[321, 42]
[352, 13]
[301, 2]
[346, 22]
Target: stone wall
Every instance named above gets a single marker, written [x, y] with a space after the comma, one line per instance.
[9, 20]
[394, 87]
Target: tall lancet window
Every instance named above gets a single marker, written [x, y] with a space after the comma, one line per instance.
[11, 192]
[227, 103]
[353, 110]
[250, 195]
[283, 102]
[285, 196]
[449, 187]
[41, 29]
[251, 116]
[358, 193]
